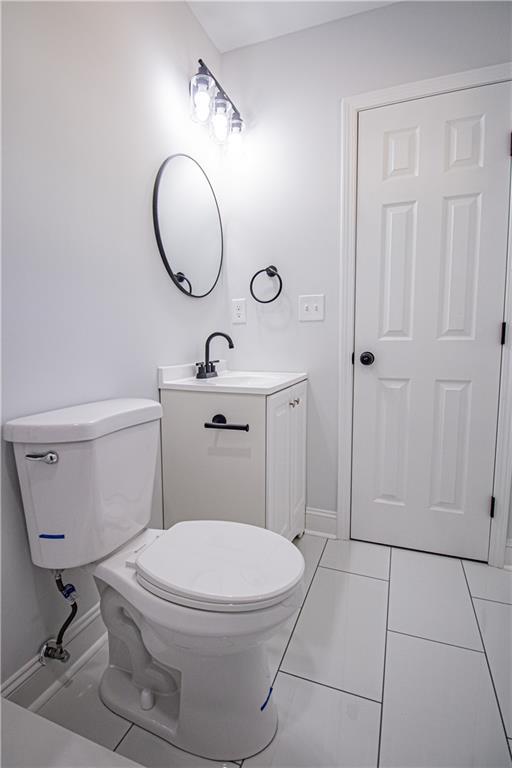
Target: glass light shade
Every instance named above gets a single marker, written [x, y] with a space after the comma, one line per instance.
[237, 125]
[202, 88]
[221, 119]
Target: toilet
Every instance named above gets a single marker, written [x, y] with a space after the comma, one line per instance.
[187, 609]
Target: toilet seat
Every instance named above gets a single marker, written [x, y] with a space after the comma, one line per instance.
[217, 565]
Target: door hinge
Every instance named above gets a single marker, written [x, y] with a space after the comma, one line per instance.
[503, 333]
[352, 358]
[493, 502]
[511, 144]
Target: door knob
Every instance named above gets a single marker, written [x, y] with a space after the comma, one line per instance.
[367, 358]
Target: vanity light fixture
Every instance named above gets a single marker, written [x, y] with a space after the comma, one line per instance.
[210, 104]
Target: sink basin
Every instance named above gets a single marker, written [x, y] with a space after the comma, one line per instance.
[242, 382]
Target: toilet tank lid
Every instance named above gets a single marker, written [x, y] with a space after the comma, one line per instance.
[82, 422]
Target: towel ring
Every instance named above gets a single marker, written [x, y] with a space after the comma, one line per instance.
[271, 271]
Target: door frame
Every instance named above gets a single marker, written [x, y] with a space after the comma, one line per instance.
[350, 108]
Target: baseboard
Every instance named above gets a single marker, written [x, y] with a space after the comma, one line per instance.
[321, 522]
[508, 555]
[31, 682]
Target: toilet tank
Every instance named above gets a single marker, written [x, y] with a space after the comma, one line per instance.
[86, 475]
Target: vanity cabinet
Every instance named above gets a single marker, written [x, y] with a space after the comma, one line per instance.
[255, 475]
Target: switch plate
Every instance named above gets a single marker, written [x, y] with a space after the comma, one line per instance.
[311, 308]
[238, 311]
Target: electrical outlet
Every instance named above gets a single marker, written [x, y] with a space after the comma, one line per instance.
[238, 311]
[311, 308]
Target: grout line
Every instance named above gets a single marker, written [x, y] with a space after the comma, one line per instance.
[352, 573]
[439, 642]
[123, 737]
[331, 687]
[489, 600]
[299, 613]
[385, 656]
[487, 659]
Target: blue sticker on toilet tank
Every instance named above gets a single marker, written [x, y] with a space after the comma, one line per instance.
[52, 536]
[267, 699]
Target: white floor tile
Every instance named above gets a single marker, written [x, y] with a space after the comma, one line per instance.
[339, 638]
[495, 620]
[320, 727]
[30, 741]
[429, 598]
[439, 708]
[489, 583]
[311, 548]
[79, 708]
[357, 557]
[149, 750]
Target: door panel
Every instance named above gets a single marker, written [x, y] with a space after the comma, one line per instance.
[279, 425]
[211, 474]
[298, 460]
[433, 186]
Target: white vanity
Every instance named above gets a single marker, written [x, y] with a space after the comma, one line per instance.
[234, 447]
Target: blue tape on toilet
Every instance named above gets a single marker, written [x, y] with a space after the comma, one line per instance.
[52, 536]
[267, 699]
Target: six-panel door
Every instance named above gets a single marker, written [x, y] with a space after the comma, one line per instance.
[433, 196]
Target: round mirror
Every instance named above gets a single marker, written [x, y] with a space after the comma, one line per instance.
[188, 227]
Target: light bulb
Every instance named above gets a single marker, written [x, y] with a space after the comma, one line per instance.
[201, 92]
[202, 103]
[236, 129]
[220, 119]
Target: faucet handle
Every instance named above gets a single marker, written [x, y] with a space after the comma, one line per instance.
[210, 368]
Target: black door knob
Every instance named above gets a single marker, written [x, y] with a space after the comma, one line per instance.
[367, 358]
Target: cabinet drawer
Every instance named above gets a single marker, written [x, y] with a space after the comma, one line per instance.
[213, 473]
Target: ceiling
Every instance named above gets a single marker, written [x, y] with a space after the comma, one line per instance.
[235, 23]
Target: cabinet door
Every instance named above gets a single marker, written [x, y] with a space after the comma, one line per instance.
[213, 474]
[279, 428]
[298, 459]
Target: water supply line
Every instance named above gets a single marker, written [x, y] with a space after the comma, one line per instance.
[53, 648]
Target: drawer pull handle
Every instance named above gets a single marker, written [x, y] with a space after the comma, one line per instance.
[220, 422]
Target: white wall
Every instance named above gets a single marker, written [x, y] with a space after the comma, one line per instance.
[95, 96]
[285, 190]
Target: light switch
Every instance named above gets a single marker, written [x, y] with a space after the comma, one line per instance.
[238, 311]
[311, 308]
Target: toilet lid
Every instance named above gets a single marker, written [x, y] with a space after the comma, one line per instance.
[220, 563]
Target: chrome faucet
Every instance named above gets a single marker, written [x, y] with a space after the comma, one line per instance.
[207, 370]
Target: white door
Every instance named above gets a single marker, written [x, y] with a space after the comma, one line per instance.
[433, 196]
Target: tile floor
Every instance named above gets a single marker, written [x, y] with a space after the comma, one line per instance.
[396, 658]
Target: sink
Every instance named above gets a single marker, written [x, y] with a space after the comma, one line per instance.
[182, 377]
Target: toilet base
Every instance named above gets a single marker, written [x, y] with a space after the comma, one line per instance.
[223, 743]
[217, 706]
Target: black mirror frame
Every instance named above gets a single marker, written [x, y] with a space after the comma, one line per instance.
[177, 282]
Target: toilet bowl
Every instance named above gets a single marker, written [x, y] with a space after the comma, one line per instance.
[187, 659]
[188, 609]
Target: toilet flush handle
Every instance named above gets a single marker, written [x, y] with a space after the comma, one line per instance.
[48, 458]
